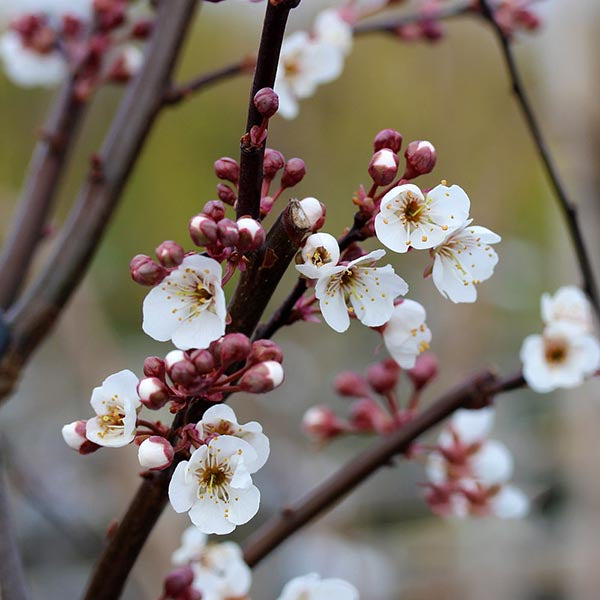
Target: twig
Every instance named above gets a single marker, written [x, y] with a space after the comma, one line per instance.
[566, 205]
[251, 156]
[473, 393]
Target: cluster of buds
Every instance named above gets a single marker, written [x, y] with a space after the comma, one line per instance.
[369, 414]
[516, 15]
[147, 271]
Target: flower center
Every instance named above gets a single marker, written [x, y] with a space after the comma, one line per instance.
[202, 294]
[213, 478]
[320, 257]
[290, 68]
[412, 209]
[112, 419]
[555, 352]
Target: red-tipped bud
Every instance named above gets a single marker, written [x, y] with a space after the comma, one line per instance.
[315, 213]
[146, 271]
[153, 393]
[366, 415]
[180, 368]
[155, 453]
[388, 138]
[383, 376]
[203, 230]
[262, 378]
[234, 347]
[432, 30]
[228, 169]
[214, 209]
[293, 173]
[203, 360]
[273, 162]
[142, 29]
[265, 350]
[170, 253]
[266, 102]
[383, 167]
[420, 158]
[251, 234]
[226, 194]
[74, 436]
[178, 581]
[321, 423]
[228, 232]
[154, 367]
[351, 384]
[424, 371]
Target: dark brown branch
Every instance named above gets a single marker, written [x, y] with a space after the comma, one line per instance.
[473, 393]
[566, 205]
[39, 192]
[251, 156]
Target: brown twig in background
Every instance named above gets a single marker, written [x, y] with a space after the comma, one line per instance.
[566, 205]
[475, 392]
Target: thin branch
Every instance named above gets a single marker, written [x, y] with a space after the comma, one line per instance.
[476, 392]
[565, 203]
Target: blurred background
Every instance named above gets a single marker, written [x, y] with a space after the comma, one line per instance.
[383, 539]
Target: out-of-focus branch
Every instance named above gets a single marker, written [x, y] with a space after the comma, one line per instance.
[39, 192]
[567, 206]
[475, 392]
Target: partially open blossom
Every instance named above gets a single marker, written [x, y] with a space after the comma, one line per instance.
[74, 436]
[188, 306]
[410, 219]
[568, 304]
[319, 253]
[464, 259]
[155, 453]
[331, 28]
[562, 357]
[312, 587]
[420, 159]
[262, 378]
[251, 234]
[321, 423]
[116, 405]
[369, 290]
[383, 166]
[215, 487]
[406, 335]
[314, 211]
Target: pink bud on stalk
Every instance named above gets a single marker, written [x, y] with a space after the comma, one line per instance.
[146, 271]
[228, 232]
[321, 423]
[265, 350]
[155, 453]
[154, 367]
[367, 416]
[226, 194]
[214, 209]
[383, 376]
[383, 167]
[251, 234]
[388, 138]
[420, 159]
[273, 162]
[424, 371]
[262, 378]
[228, 169]
[293, 173]
[178, 581]
[203, 230]
[315, 213]
[351, 384]
[74, 436]
[153, 393]
[203, 361]
[233, 348]
[266, 102]
[170, 253]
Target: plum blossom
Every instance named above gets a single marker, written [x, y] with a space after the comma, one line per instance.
[116, 404]
[562, 357]
[370, 291]
[331, 28]
[188, 306]
[568, 304]
[406, 335]
[312, 587]
[464, 259]
[408, 218]
[320, 253]
[215, 486]
[221, 420]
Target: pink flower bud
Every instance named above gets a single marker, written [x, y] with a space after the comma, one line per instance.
[424, 371]
[351, 384]
[366, 415]
[228, 232]
[388, 138]
[321, 423]
[315, 213]
[153, 393]
[154, 367]
[155, 453]
[180, 368]
[420, 159]
[226, 194]
[383, 376]
[74, 434]
[272, 163]
[214, 209]
[203, 230]
[142, 29]
[265, 350]
[146, 271]
[293, 173]
[203, 361]
[178, 581]
[170, 253]
[228, 169]
[234, 347]
[266, 102]
[383, 166]
[251, 234]
[174, 357]
[432, 30]
[262, 378]
[266, 205]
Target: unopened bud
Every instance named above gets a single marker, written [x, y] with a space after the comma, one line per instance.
[424, 371]
[315, 213]
[351, 384]
[266, 205]
[293, 172]
[234, 347]
[228, 169]
[203, 230]
[153, 393]
[273, 162]
[262, 378]
[178, 581]
[228, 232]
[74, 434]
[383, 167]
[265, 350]
[226, 194]
[251, 234]
[383, 376]
[420, 159]
[388, 138]
[154, 367]
[203, 361]
[146, 271]
[432, 30]
[155, 453]
[183, 372]
[366, 415]
[321, 423]
[174, 357]
[170, 253]
[214, 209]
[266, 102]
[142, 29]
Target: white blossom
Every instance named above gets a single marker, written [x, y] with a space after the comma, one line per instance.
[215, 486]
[332, 29]
[509, 503]
[406, 335]
[221, 420]
[369, 290]
[464, 259]
[188, 306]
[116, 404]
[320, 253]
[407, 218]
[568, 304]
[562, 357]
[312, 587]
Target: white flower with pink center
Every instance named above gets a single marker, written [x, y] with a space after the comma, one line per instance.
[312, 587]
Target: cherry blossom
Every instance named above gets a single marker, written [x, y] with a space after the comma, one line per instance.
[188, 306]
[408, 218]
[215, 486]
[320, 253]
[312, 587]
[369, 290]
[568, 304]
[332, 29]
